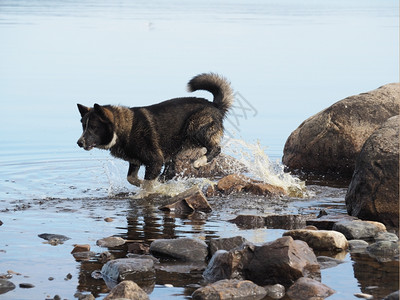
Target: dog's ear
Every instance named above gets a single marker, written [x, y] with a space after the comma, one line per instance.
[104, 113]
[83, 109]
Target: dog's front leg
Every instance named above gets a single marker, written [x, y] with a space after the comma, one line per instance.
[132, 176]
[152, 172]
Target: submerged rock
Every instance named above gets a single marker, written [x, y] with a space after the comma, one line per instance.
[384, 250]
[326, 222]
[359, 230]
[307, 288]
[330, 141]
[54, 239]
[327, 262]
[282, 261]
[186, 249]
[127, 290]
[373, 193]
[286, 221]
[320, 239]
[358, 246]
[230, 289]
[6, 286]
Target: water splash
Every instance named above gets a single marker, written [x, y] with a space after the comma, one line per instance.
[260, 167]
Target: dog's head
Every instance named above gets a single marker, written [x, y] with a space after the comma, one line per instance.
[98, 127]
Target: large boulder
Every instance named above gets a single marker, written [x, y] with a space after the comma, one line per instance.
[330, 141]
[373, 193]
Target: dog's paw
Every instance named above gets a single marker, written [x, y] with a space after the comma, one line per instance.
[200, 162]
[134, 181]
[148, 186]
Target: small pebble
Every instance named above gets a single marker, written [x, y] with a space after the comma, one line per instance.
[108, 219]
[56, 297]
[168, 285]
[26, 285]
[51, 278]
[68, 277]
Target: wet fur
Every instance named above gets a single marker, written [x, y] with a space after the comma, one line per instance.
[153, 135]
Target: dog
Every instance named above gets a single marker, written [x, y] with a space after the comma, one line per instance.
[153, 135]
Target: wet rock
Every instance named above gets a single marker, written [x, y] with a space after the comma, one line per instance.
[127, 290]
[79, 256]
[383, 251]
[236, 183]
[105, 257]
[320, 239]
[358, 246]
[358, 230]
[187, 202]
[282, 261]
[80, 248]
[330, 141]
[111, 241]
[248, 221]
[108, 219]
[307, 288]
[1, 223]
[392, 296]
[326, 222]
[264, 189]
[85, 297]
[54, 239]
[276, 291]
[220, 166]
[6, 286]
[286, 221]
[138, 248]
[26, 285]
[230, 289]
[226, 244]
[68, 276]
[233, 183]
[186, 249]
[326, 262]
[140, 270]
[373, 193]
[229, 265]
[386, 236]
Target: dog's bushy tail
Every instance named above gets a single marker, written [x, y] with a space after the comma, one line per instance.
[215, 84]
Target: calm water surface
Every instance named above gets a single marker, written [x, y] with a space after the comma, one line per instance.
[286, 60]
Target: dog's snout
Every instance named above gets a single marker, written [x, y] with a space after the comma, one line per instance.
[80, 143]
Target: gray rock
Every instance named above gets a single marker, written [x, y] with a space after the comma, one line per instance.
[373, 193]
[111, 241]
[307, 288]
[383, 251]
[358, 246]
[137, 269]
[276, 291]
[226, 243]
[228, 265]
[386, 236]
[186, 249]
[392, 296]
[248, 221]
[127, 290]
[281, 261]
[230, 289]
[357, 229]
[287, 221]
[327, 262]
[326, 222]
[331, 140]
[6, 286]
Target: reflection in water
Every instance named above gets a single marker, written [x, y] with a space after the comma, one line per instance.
[376, 278]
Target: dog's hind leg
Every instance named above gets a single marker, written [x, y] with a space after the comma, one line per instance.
[132, 176]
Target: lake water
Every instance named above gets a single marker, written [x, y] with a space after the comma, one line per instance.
[286, 60]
